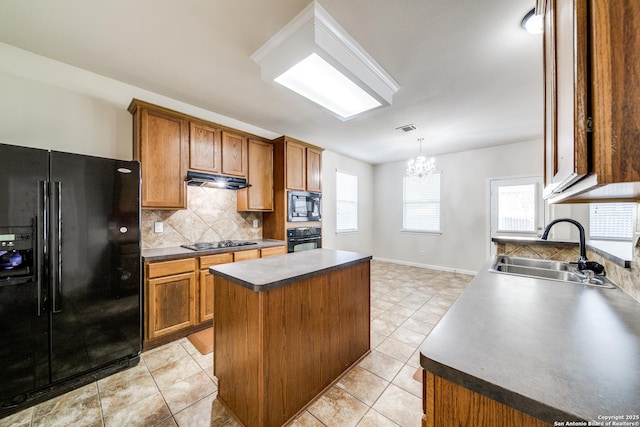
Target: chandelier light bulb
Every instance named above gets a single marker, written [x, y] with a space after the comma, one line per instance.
[419, 168]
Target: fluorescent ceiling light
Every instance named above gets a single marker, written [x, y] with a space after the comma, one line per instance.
[315, 79]
[313, 56]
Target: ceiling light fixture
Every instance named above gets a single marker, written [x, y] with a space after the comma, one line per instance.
[532, 22]
[316, 58]
[419, 168]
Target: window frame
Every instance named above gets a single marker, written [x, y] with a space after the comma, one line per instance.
[354, 203]
[632, 219]
[405, 228]
[539, 207]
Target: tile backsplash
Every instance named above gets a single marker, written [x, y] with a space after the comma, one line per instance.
[210, 216]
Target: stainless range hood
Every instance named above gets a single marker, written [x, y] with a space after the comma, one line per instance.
[200, 179]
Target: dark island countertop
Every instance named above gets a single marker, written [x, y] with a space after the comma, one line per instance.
[178, 252]
[268, 273]
[556, 351]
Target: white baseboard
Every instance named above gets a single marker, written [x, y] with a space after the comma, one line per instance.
[428, 266]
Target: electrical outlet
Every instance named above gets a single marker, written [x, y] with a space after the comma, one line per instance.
[256, 223]
[158, 227]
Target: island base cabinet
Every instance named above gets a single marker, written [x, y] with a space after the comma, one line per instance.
[278, 349]
[448, 404]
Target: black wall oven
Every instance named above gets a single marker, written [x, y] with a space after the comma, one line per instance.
[304, 238]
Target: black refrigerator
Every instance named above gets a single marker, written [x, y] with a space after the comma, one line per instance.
[70, 292]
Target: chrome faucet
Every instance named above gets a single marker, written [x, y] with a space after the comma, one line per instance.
[583, 263]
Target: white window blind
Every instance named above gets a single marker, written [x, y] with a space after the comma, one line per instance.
[611, 221]
[421, 204]
[517, 208]
[346, 202]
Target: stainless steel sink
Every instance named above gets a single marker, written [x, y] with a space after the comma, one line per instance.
[536, 263]
[547, 269]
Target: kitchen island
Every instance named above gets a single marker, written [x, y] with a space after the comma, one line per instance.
[523, 351]
[286, 328]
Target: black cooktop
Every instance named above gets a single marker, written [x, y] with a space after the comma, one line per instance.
[204, 246]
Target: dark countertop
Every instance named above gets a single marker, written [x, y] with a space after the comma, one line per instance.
[556, 351]
[167, 254]
[268, 273]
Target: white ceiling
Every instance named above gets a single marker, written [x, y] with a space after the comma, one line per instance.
[470, 76]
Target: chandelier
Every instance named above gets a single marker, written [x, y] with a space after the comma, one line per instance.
[419, 168]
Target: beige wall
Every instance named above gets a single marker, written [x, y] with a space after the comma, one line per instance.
[464, 242]
[40, 115]
[362, 240]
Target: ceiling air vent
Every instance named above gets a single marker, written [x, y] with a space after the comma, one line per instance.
[407, 128]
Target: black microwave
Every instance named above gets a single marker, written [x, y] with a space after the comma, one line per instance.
[304, 206]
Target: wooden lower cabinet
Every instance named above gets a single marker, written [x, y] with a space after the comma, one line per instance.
[447, 404]
[179, 296]
[206, 283]
[170, 297]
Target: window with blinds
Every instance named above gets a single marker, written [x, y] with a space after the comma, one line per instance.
[421, 204]
[346, 202]
[611, 221]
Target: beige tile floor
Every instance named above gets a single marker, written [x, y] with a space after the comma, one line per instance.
[173, 385]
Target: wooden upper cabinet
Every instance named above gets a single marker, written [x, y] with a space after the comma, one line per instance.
[616, 90]
[161, 144]
[314, 170]
[296, 166]
[258, 197]
[234, 154]
[566, 93]
[205, 148]
[591, 100]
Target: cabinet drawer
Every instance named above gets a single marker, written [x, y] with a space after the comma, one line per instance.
[208, 260]
[277, 250]
[167, 268]
[245, 255]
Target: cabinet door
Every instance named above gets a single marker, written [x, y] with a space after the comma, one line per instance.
[171, 304]
[296, 167]
[204, 148]
[206, 283]
[234, 154]
[258, 197]
[566, 93]
[206, 296]
[314, 170]
[163, 151]
[616, 90]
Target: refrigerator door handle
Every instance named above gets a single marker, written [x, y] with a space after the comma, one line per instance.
[41, 242]
[56, 255]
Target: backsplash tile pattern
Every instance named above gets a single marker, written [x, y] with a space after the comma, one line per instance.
[558, 253]
[210, 216]
[628, 279]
